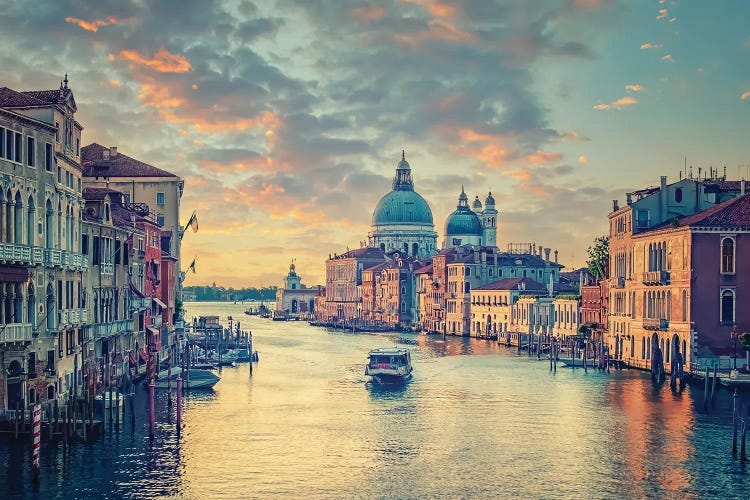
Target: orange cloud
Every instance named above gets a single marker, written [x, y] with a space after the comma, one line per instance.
[369, 13]
[572, 135]
[582, 159]
[672, 20]
[437, 8]
[163, 61]
[588, 3]
[92, 25]
[668, 57]
[260, 163]
[518, 175]
[539, 157]
[634, 88]
[745, 96]
[662, 14]
[618, 104]
[436, 31]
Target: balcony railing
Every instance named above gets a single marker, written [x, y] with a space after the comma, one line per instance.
[141, 303]
[101, 330]
[655, 278]
[16, 332]
[73, 316]
[655, 323]
[618, 282]
[107, 268]
[21, 254]
[54, 257]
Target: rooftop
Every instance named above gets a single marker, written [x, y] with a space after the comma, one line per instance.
[97, 163]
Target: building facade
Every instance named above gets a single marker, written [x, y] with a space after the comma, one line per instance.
[293, 298]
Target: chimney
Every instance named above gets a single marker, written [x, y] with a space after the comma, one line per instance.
[546, 254]
[663, 199]
[742, 187]
[113, 151]
[555, 256]
[533, 249]
[105, 154]
[629, 198]
[615, 206]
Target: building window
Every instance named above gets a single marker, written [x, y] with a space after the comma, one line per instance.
[30, 153]
[2, 142]
[48, 157]
[160, 199]
[19, 148]
[160, 219]
[642, 221]
[9, 145]
[678, 195]
[727, 307]
[727, 256]
[78, 147]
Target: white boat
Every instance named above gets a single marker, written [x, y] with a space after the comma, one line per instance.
[197, 379]
[228, 358]
[389, 365]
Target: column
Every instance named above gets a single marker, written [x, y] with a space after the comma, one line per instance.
[10, 215]
[3, 215]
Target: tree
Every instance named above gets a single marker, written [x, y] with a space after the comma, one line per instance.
[598, 257]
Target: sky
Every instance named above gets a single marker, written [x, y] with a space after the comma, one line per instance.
[286, 119]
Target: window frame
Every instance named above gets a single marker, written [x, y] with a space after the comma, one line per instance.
[722, 293]
[30, 151]
[733, 270]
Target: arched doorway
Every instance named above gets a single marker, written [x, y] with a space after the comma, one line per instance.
[50, 311]
[15, 386]
[294, 306]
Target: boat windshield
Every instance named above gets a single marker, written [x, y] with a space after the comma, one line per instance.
[395, 360]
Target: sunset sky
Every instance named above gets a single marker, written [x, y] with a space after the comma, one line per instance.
[287, 118]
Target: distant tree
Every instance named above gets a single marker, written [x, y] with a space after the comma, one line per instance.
[598, 254]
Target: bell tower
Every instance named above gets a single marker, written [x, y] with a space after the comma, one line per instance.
[489, 222]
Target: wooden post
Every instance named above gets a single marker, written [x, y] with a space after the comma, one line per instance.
[169, 381]
[585, 349]
[705, 390]
[57, 416]
[151, 416]
[36, 438]
[713, 385]
[743, 456]
[49, 419]
[83, 416]
[16, 419]
[179, 404]
[65, 426]
[735, 422]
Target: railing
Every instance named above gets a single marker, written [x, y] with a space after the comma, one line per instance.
[73, 316]
[655, 323]
[54, 257]
[100, 330]
[107, 268]
[22, 254]
[141, 303]
[655, 278]
[16, 332]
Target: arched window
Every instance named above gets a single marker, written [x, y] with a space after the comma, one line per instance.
[467, 287]
[18, 220]
[727, 255]
[678, 195]
[50, 312]
[727, 307]
[414, 249]
[643, 347]
[30, 225]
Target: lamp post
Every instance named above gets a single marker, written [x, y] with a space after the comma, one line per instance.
[734, 345]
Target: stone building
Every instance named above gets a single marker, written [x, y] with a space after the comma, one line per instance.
[492, 307]
[471, 226]
[343, 279]
[293, 298]
[673, 284]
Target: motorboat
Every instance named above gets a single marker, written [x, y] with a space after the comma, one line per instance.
[228, 358]
[390, 365]
[196, 379]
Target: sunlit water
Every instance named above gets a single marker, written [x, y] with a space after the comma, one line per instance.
[477, 421]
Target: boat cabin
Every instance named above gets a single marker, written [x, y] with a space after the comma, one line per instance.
[389, 358]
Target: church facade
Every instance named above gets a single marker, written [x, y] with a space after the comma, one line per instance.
[293, 299]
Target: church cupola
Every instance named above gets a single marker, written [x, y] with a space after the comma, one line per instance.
[403, 181]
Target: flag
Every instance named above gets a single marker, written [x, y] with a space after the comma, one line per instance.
[192, 266]
[193, 222]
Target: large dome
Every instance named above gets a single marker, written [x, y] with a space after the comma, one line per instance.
[402, 207]
[463, 222]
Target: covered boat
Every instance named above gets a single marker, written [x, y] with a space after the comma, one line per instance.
[389, 365]
[196, 379]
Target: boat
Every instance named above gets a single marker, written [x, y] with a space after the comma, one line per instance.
[196, 379]
[390, 365]
[228, 358]
[111, 398]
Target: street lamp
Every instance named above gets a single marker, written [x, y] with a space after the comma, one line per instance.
[734, 345]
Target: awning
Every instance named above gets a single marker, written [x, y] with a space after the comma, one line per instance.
[135, 290]
[144, 355]
[160, 303]
[152, 330]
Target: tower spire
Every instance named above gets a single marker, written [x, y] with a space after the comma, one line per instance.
[65, 81]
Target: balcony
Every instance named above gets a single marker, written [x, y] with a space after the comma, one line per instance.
[28, 255]
[16, 332]
[618, 282]
[107, 268]
[101, 330]
[141, 303]
[656, 324]
[73, 316]
[655, 278]
[73, 261]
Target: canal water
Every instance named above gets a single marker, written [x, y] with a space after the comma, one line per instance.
[477, 421]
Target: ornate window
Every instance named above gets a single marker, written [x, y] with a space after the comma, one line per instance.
[727, 307]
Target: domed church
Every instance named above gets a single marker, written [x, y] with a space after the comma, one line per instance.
[402, 219]
[472, 226]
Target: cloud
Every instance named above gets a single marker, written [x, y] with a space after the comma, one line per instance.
[437, 8]
[649, 45]
[436, 31]
[634, 88]
[369, 13]
[587, 3]
[582, 159]
[667, 57]
[540, 157]
[745, 95]
[672, 20]
[618, 104]
[91, 25]
[163, 61]
[571, 135]
[662, 14]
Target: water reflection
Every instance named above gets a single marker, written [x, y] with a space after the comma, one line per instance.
[477, 420]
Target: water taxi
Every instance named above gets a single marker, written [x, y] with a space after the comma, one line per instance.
[389, 365]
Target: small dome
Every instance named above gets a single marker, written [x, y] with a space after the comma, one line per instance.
[490, 199]
[476, 204]
[463, 198]
[463, 222]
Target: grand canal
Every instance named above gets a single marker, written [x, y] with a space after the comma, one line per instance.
[477, 421]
